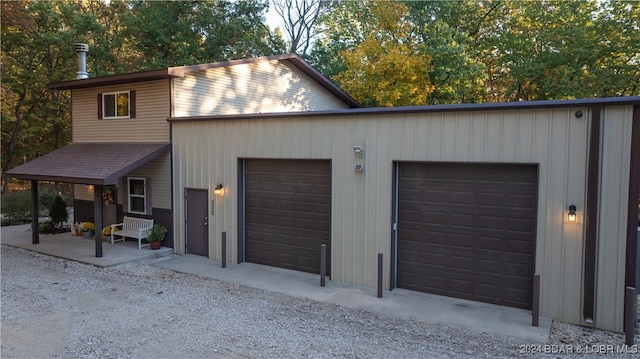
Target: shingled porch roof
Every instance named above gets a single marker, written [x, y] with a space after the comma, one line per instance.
[89, 163]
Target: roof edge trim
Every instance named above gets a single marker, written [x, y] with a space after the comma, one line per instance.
[620, 101]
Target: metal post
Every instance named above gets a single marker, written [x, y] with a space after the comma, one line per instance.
[379, 275]
[535, 306]
[35, 228]
[323, 264]
[97, 215]
[224, 250]
[630, 314]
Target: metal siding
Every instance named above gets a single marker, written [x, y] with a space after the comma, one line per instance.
[614, 188]
[150, 124]
[361, 205]
[250, 88]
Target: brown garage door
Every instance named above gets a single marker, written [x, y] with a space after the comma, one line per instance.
[468, 230]
[288, 213]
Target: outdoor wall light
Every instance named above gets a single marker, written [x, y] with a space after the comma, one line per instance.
[359, 151]
[219, 190]
[571, 216]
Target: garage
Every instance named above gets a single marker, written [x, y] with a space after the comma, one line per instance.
[467, 230]
[287, 213]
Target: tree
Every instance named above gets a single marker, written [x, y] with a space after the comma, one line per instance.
[385, 69]
[174, 33]
[561, 50]
[300, 18]
[58, 212]
[35, 46]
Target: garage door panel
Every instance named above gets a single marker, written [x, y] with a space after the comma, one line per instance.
[287, 213]
[472, 230]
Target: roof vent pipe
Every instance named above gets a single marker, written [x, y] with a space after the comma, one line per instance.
[82, 50]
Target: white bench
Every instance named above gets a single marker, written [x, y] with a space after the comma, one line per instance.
[132, 227]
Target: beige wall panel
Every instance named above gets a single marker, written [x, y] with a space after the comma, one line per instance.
[83, 192]
[614, 194]
[159, 171]
[361, 202]
[150, 124]
[250, 88]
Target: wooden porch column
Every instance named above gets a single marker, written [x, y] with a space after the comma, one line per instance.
[35, 228]
[97, 213]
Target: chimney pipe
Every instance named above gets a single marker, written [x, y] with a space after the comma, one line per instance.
[82, 50]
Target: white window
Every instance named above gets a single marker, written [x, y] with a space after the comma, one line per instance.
[116, 105]
[138, 195]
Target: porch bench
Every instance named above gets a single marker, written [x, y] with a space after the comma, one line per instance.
[132, 227]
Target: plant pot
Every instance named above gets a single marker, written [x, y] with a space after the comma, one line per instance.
[87, 235]
[155, 245]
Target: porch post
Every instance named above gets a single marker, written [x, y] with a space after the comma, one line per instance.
[35, 228]
[97, 214]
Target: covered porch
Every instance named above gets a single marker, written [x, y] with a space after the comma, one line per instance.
[96, 164]
[76, 248]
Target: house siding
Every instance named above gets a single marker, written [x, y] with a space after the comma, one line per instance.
[207, 153]
[158, 170]
[258, 87]
[612, 216]
[150, 125]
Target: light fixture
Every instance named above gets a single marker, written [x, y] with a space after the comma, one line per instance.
[219, 190]
[571, 216]
[359, 151]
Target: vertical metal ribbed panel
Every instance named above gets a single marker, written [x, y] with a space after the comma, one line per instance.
[207, 152]
[612, 217]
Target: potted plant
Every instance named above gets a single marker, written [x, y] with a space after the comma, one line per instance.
[87, 229]
[156, 236]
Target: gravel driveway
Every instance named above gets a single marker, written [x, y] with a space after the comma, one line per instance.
[54, 308]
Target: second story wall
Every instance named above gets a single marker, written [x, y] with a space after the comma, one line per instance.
[259, 87]
[152, 107]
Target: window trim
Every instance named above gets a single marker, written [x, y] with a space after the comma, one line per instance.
[130, 108]
[144, 196]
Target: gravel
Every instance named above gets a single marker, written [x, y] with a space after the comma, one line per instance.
[54, 308]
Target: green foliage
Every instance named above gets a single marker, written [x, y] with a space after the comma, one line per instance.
[157, 234]
[16, 207]
[58, 211]
[490, 51]
[173, 33]
[385, 69]
[49, 227]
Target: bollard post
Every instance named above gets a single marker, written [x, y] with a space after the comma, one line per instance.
[630, 314]
[379, 275]
[224, 250]
[323, 263]
[535, 306]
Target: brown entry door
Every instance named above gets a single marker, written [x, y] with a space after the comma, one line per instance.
[467, 230]
[288, 213]
[197, 216]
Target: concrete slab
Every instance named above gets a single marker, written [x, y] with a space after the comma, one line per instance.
[77, 248]
[399, 303]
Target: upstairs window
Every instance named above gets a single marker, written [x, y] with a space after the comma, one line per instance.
[117, 105]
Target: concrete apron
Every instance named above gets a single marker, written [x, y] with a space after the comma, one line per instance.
[399, 303]
[77, 248]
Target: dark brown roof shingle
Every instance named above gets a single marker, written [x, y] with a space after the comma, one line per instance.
[90, 163]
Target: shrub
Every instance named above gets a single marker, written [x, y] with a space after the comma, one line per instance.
[58, 211]
[49, 227]
[16, 207]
